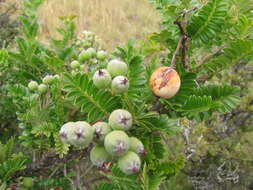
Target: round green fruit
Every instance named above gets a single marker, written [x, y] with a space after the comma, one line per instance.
[92, 51]
[101, 130]
[136, 145]
[65, 131]
[42, 88]
[98, 156]
[116, 143]
[49, 79]
[120, 120]
[101, 55]
[116, 67]
[75, 64]
[33, 85]
[27, 182]
[81, 135]
[102, 79]
[130, 163]
[120, 84]
[84, 56]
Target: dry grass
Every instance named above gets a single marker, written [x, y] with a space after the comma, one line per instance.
[112, 20]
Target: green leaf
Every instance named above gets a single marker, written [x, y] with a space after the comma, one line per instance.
[208, 21]
[96, 103]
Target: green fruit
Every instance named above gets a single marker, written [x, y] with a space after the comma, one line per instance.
[81, 135]
[92, 51]
[130, 163]
[116, 67]
[116, 143]
[101, 55]
[42, 88]
[28, 182]
[120, 120]
[136, 145]
[33, 85]
[74, 64]
[56, 77]
[101, 130]
[120, 84]
[98, 156]
[102, 79]
[49, 79]
[84, 56]
[65, 131]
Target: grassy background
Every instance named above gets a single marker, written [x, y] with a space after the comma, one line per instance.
[112, 20]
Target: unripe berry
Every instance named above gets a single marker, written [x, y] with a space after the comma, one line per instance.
[65, 131]
[49, 79]
[116, 143]
[84, 56]
[120, 120]
[42, 88]
[101, 55]
[56, 77]
[116, 67]
[81, 135]
[33, 85]
[165, 82]
[120, 84]
[129, 163]
[91, 51]
[27, 182]
[101, 130]
[75, 64]
[136, 145]
[98, 156]
[102, 79]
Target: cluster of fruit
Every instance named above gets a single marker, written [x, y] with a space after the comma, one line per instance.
[111, 141]
[46, 81]
[117, 70]
[88, 39]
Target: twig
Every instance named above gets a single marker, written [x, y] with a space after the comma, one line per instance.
[176, 53]
[98, 120]
[183, 41]
[207, 57]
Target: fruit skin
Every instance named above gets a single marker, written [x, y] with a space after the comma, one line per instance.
[78, 133]
[92, 51]
[33, 85]
[102, 79]
[101, 55]
[84, 56]
[165, 82]
[42, 88]
[101, 130]
[81, 135]
[116, 143]
[99, 156]
[75, 64]
[136, 145]
[116, 67]
[120, 84]
[65, 131]
[49, 79]
[120, 120]
[28, 182]
[130, 163]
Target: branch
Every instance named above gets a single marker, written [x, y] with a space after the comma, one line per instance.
[183, 41]
[207, 57]
[176, 53]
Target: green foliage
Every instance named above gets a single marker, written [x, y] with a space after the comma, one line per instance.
[85, 95]
[208, 21]
[10, 162]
